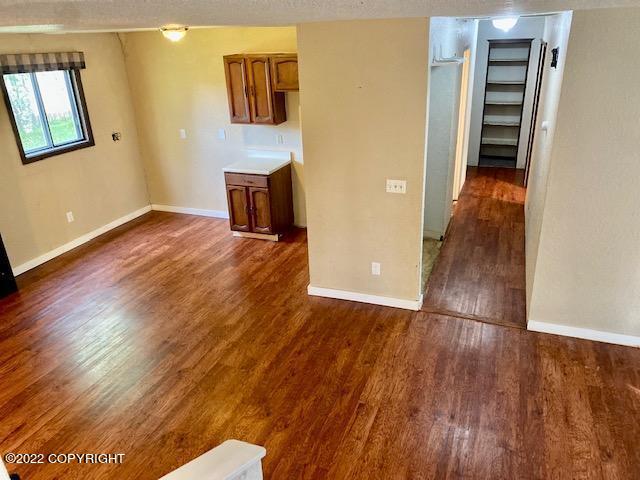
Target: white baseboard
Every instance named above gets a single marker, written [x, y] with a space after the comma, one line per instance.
[191, 211]
[79, 241]
[365, 298]
[585, 333]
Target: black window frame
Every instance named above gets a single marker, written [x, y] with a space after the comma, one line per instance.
[83, 117]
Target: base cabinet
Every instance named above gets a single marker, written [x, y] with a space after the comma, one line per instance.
[260, 203]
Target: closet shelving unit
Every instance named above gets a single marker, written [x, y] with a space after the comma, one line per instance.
[504, 94]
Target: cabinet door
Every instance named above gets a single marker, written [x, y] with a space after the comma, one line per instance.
[260, 99]
[284, 71]
[235, 69]
[239, 218]
[260, 210]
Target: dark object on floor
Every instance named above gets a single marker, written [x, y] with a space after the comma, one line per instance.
[7, 280]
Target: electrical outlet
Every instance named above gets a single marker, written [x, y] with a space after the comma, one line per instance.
[375, 268]
[396, 186]
[222, 134]
[183, 133]
[70, 217]
[279, 139]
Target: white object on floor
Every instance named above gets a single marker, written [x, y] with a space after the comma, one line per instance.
[260, 162]
[231, 460]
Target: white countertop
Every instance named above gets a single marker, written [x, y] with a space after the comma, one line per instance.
[260, 162]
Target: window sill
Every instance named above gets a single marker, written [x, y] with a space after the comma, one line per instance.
[37, 156]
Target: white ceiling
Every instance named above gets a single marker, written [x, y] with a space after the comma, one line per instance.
[114, 15]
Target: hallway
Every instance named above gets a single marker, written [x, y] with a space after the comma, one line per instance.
[480, 273]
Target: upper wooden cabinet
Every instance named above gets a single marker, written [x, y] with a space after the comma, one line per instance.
[256, 84]
[284, 70]
[235, 69]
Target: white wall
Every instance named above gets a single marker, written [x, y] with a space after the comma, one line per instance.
[449, 37]
[444, 97]
[527, 27]
[587, 274]
[556, 34]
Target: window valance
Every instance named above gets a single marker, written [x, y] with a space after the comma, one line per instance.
[41, 62]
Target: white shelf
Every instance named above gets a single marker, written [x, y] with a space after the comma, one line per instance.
[501, 123]
[503, 102]
[505, 82]
[509, 60]
[507, 142]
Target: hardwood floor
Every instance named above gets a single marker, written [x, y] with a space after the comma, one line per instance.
[480, 272]
[164, 338]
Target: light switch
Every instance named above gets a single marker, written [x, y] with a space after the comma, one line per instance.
[279, 139]
[222, 134]
[396, 186]
[183, 133]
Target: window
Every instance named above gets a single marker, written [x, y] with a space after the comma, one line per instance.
[48, 112]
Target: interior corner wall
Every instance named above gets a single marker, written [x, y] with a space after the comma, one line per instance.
[182, 86]
[527, 27]
[99, 184]
[363, 91]
[588, 267]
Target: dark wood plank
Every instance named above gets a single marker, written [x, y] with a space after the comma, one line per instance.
[480, 272]
[165, 337]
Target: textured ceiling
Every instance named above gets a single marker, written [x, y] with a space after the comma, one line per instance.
[81, 15]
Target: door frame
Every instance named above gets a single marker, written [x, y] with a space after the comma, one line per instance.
[460, 160]
[534, 109]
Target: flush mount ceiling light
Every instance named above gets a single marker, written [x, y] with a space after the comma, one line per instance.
[505, 23]
[174, 34]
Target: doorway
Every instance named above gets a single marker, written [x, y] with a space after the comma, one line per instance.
[484, 137]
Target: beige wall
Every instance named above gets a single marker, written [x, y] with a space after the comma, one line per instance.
[182, 86]
[556, 34]
[99, 184]
[363, 97]
[588, 267]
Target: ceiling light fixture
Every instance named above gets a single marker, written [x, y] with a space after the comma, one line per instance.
[505, 23]
[175, 34]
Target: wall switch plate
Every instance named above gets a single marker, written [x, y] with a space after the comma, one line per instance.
[375, 268]
[396, 186]
[222, 134]
[279, 139]
[183, 133]
[70, 217]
